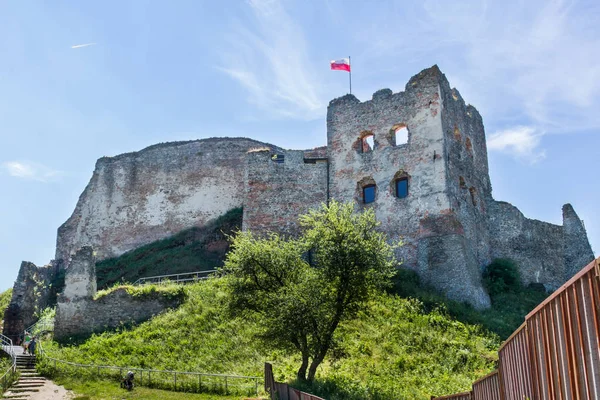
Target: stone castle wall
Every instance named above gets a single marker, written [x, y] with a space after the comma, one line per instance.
[137, 198]
[450, 223]
[31, 293]
[282, 185]
[79, 314]
[435, 240]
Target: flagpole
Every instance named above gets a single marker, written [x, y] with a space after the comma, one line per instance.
[350, 65]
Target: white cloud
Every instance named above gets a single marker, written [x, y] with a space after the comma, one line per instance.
[271, 62]
[537, 59]
[529, 62]
[78, 46]
[30, 171]
[521, 141]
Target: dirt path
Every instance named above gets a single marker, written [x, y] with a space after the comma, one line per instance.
[51, 391]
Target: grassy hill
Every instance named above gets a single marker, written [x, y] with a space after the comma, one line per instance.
[395, 350]
[195, 249]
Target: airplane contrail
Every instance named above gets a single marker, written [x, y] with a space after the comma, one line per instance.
[78, 46]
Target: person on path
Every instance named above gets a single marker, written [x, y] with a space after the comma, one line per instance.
[26, 342]
[32, 345]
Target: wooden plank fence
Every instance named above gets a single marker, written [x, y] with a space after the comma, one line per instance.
[555, 354]
[282, 391]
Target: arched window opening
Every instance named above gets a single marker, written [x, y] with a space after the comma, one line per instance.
[473, 195]
[469, 146]
[368, 142]
[399, 135]
[461, 182]
[456, 133]
[369, 194]
[401, 188]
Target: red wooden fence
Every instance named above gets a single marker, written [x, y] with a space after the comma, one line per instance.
[555, 354]
[283, 391]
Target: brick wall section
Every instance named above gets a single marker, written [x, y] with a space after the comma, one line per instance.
[137, 198]
[78, 314]
[277, 193]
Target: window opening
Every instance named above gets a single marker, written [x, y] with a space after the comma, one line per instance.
[400, 135]
[369, 194]
[473, 195]
[278, 158]
[401, 188]
[368, 143]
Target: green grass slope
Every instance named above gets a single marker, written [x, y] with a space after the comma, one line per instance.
[507, 313]
[394, 350]
[195, 249]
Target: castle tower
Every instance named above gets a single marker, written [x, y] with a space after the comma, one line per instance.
[577, 252]
[399, 154]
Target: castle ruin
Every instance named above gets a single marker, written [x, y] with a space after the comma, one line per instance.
[417, 157]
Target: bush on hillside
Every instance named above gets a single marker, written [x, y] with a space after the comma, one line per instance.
[5, 301]
[501, 276]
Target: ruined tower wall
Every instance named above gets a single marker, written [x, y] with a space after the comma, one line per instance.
[278, 192]
[137, 198]
[350, 168]
[78, 313]
[435, 241]
[31, 294]
[468, 182]
[545, 253]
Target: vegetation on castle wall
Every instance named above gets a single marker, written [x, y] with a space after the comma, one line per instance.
[195, 249]
[501, 276]
[167, 291]
[509, 305]
[5, 301]
[394, 349]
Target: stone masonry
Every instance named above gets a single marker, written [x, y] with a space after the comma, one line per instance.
[450, 224]
[137, 198]
[30, 296]
[78, 313]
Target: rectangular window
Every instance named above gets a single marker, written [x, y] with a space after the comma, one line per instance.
[369, 194]
[402, 188]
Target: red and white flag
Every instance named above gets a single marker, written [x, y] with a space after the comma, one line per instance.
[341, 65]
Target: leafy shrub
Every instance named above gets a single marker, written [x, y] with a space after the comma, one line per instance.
[5, 301]
[501, 276]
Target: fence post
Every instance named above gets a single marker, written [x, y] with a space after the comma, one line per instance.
[225, 385]
[199, 382]
[256, 385]
[175, 375]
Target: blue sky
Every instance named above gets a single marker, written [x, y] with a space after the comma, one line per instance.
[157, 71]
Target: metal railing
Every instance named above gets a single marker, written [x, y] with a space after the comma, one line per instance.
[555, 354]
[183, 381]
[41, 327]
[9, 376]
[176, 278]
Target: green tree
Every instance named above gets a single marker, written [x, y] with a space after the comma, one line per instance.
[302, 289]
